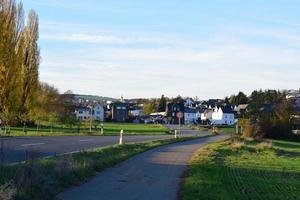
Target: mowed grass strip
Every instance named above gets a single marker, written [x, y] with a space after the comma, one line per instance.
[110, 128]
[249, 170]
[45, 178]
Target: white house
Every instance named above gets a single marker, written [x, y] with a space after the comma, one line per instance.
[84, 112]
[222, 116]
[190, 116]
[98, 112]
[206, 115]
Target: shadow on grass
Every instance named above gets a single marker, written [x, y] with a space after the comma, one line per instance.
[280, 152]
[286, 144]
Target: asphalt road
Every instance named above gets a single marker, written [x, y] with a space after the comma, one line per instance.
[18, 149]
[155, 174]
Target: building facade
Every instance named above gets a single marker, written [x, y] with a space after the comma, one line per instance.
[119, 112]
[172, 110]
[223, 116]
[96, 111]
[190, 116]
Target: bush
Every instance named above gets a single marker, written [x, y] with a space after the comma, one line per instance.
[236, 145]
[251, 131]
[276, 130]
[264, 145]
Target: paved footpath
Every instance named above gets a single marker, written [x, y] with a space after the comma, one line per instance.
[155, 174]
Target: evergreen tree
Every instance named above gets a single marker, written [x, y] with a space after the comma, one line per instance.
[162, 104]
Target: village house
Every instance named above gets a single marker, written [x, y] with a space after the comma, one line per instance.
[85, 112]
[189, 103]
[206, 116]
[223, 116]
[136, 111]
[119, 111]
[190, 116]
[172, 110]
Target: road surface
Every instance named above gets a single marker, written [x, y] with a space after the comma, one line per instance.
[155, 174]
[15, 149]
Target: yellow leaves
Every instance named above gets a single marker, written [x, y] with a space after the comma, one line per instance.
[18, 79]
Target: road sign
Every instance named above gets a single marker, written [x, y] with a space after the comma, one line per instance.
[179, 115]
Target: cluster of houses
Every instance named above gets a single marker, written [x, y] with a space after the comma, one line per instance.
[294, 96]
[213, 111]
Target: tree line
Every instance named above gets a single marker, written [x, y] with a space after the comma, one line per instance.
[23, 98]
[268, 114]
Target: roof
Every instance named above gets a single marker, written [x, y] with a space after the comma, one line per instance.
[227, 109]
[81, 108]
[241, 107]
[190, 110]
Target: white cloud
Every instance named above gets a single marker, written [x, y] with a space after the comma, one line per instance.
[218, 71]
[97, 39]
[115, 62]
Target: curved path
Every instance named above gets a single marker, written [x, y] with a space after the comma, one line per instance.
[155, 174]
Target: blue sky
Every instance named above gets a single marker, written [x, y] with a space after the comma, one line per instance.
[139, 48]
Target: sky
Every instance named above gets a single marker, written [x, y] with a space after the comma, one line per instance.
[145, 48]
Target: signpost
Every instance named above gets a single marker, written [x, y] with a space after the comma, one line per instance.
[179, 115]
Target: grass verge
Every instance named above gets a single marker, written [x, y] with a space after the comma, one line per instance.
[244, 170]
[110, 128]
[45, 178]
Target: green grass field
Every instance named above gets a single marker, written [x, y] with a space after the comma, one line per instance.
[44, 178]
[246, 170]
[109, 129]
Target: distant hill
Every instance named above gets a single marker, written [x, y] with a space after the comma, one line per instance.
[93, 98]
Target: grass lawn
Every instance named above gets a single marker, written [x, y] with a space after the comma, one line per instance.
[45, 178]
[247, 170]
[109, 129]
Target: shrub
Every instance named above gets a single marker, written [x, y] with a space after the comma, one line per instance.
[64, 165]
[249, 139]
[264, 145]
[32, 179]
[252, 130]
[236, 145]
